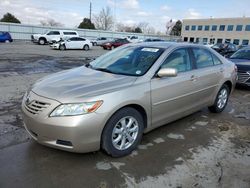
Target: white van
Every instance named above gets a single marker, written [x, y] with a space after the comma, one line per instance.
[53, 36]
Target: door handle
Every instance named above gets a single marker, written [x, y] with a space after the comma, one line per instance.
[193, 78]
[221, 69]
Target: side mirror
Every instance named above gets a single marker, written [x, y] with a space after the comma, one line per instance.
[167, 72]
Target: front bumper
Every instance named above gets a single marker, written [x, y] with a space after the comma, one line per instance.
[243, 77]
[55, 46]
[72, 133]
[33, 39]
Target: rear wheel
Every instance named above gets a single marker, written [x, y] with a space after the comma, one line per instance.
[123, 132]
[221, 100]
[86, 47]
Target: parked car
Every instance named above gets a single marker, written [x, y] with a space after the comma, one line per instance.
[73, 43]
[5, 37]
[134, 39]
[53, 36]
[110, 102]
[100, 41]
[226, 49]
[115, 43]
[242, 60]
[153, 40]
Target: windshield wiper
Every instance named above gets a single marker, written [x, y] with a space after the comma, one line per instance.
[104, 70]
[88, 65]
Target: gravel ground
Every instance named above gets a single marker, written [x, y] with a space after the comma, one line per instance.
[201, 150]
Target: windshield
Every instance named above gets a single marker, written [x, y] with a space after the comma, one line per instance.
[241, 54]
[129, 60]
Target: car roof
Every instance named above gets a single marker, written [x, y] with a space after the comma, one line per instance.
[166, 45]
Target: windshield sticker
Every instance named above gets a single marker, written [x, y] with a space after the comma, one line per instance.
[150, 49]
[138, 72]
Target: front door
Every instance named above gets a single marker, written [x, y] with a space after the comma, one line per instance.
[173, 97]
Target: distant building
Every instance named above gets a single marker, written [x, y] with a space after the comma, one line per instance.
[217, 30]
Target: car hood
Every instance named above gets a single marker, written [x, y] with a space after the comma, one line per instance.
[76, 84]
[241, 61]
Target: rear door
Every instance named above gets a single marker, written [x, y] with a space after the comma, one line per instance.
[81, 43]
[72, 43]
[174, 97]
[209, 72]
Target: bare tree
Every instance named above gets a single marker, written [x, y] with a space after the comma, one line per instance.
[150, 30]
[144, 26]
[120, 27]
[51, 22]
[104, 20]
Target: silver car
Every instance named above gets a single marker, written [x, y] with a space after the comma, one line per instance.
[110, 102]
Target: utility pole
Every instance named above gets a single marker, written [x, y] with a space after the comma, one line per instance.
[90, 10]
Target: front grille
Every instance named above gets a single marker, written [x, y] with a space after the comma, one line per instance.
[35, 107]
[243, 76]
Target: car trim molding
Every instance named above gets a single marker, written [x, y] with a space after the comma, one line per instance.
[191, 93]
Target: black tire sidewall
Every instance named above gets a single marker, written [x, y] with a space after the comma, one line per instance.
[62, 47]
[41, 40]
[86, 47]
[107, 132]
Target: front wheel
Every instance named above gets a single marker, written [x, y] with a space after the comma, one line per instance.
[62, 47]
[221, 100]
[41, 41]
[123, 132]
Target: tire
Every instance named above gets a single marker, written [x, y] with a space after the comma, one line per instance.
[7, 41]
[112, 48]
[95, 44]
[62, 47]
[86, 47]
[41, 41]
[221, 100]
[118, 144]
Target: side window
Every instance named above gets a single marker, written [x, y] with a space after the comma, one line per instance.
[50, 33]
[54, 33]
[217, 61]
[203, 58]
[179, 59]
[81, 39]
[73, 39]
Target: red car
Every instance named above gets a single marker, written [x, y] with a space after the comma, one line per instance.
[115, 43]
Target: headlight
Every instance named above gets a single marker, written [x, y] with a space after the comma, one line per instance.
[76, 109]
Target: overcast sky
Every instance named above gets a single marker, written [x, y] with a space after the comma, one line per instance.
[155, 12]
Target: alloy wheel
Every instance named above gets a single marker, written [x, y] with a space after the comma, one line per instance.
[222, 98]
[125, 133]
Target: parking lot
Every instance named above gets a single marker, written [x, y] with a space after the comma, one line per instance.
[201, 150]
